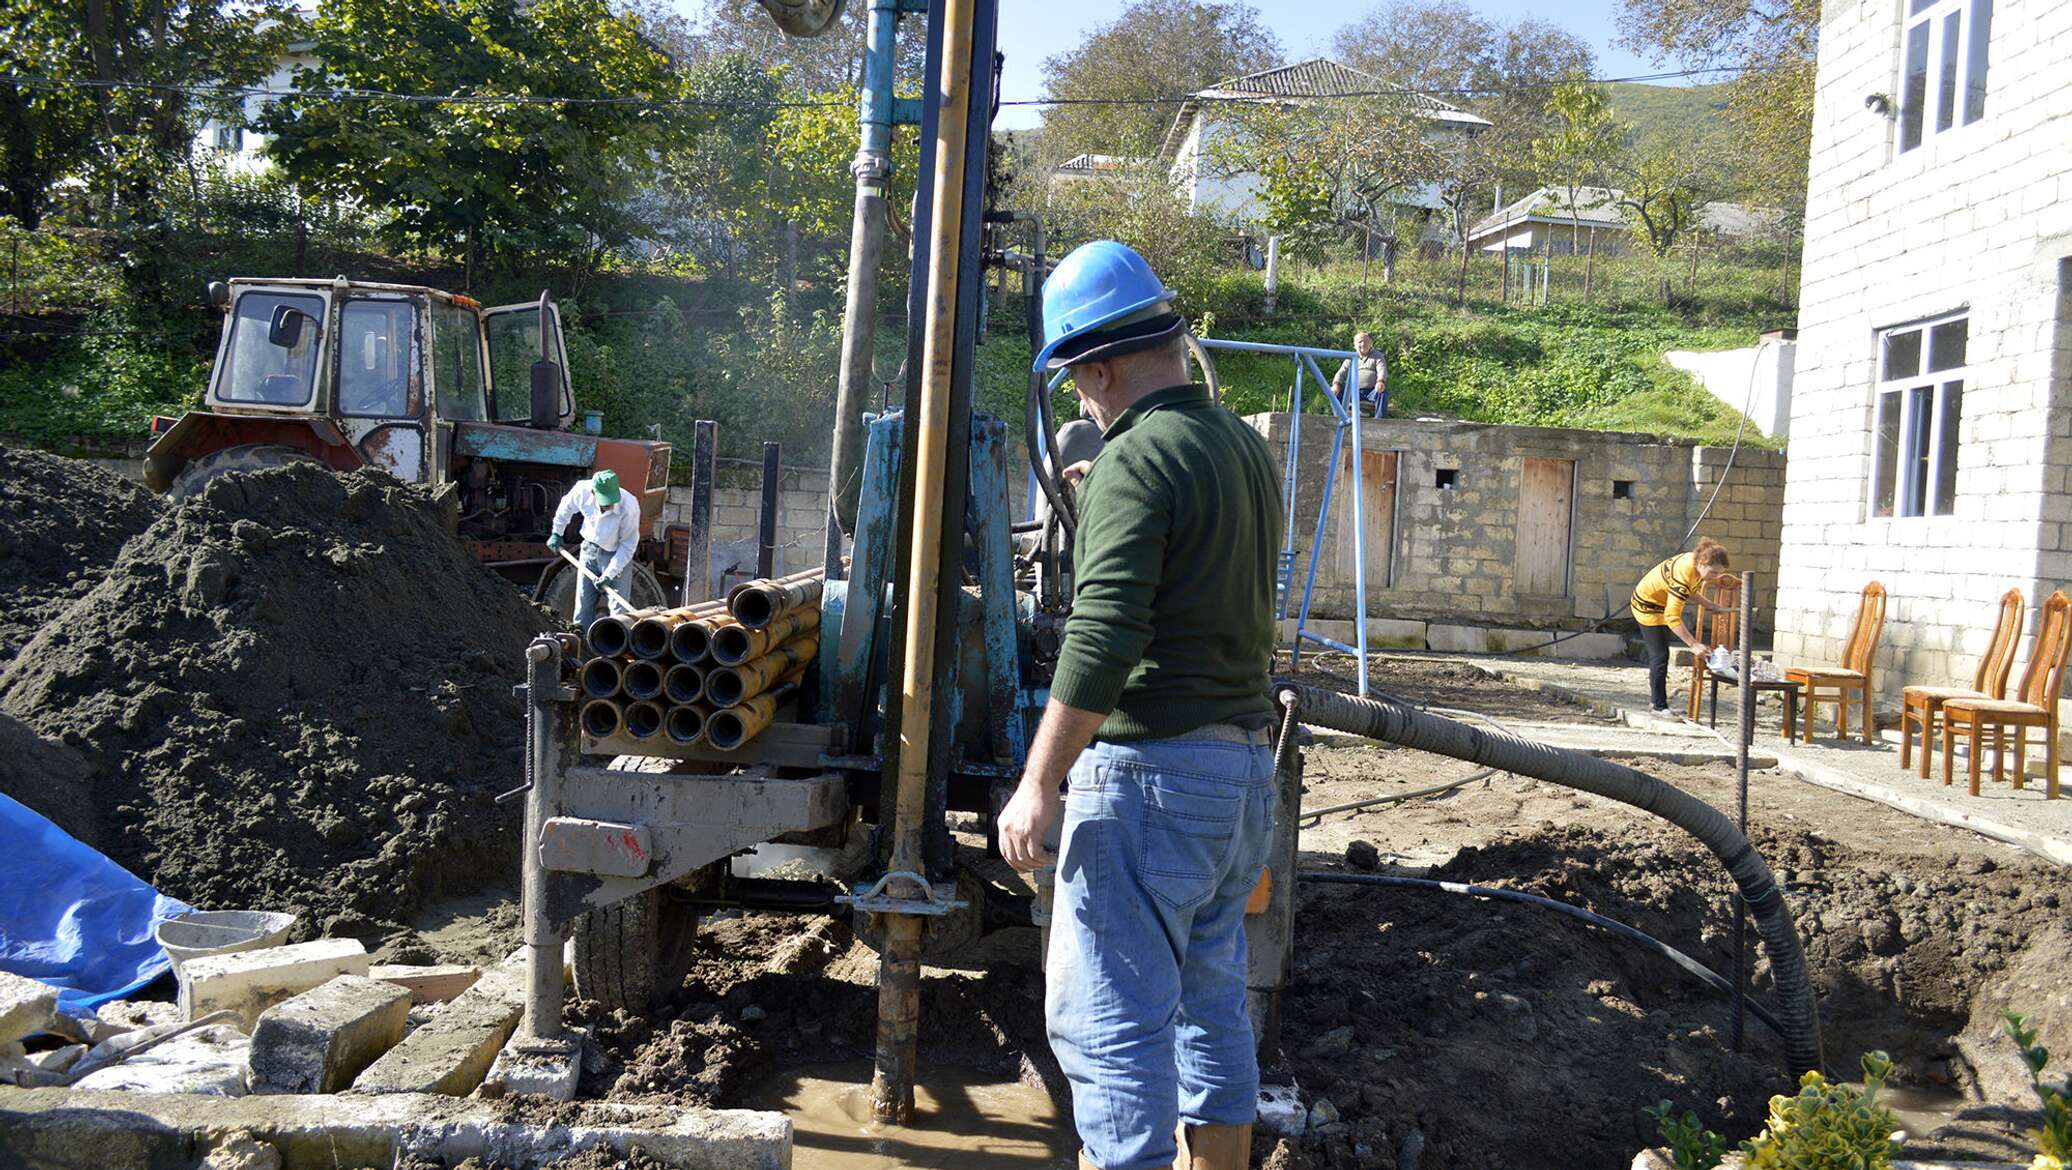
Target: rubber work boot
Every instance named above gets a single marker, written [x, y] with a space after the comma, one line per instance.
[1214, 1147]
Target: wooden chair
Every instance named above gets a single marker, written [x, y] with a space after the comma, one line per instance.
[1721, 627]
[1839, 684]
[2037, 706]
[1922, 706]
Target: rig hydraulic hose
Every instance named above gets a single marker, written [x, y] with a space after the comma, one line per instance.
[1705, 974]
[1399, 724]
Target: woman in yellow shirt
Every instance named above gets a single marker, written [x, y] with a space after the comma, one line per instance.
[1658, 605]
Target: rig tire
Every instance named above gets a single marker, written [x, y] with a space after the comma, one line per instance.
[634, 955]
[244, 457]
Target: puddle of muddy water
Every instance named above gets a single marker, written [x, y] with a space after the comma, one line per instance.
[1923, 1110]
[960, 1122]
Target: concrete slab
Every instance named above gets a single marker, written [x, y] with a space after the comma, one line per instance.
[209, 1061]
[26, 1006]
[1382, 633]
[1670, 740]
[453, 1052]
[1281, 1111]
[427, 984]
[249, 982]
[56, 1130]
[318, 1041]
[1457, 639]
[529, 1066]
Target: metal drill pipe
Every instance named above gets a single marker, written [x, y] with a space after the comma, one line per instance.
[602, 678]
[728, 685]
[644, 720]
[736, 644]
[602, 718]
[684, 683]
[759, 603]
[691, 642]
[650, 635]
[899, 971]
[730, 727]
[686, 724]
[610, 635]
[871, 167]
[641, 679]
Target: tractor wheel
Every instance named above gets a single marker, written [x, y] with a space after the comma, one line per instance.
[560, 593]
[633, 955]
[245, 457]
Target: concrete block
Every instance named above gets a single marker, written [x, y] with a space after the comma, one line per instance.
[58, 1130]
[1281, 1110]
[1529, 642]
[1457, 639]
[427, 984]
[209, 1061]
[452, 1053]
[249, 982]
[549, 1069]
[26, 1006]
[318, 1041]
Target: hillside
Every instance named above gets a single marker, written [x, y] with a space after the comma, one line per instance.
[1681, 110]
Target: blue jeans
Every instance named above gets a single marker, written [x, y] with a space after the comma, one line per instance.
[595, 559]
[1163, 842]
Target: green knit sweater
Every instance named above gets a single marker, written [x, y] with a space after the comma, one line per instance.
[1172, 614]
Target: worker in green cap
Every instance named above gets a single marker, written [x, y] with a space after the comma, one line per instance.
[611, 535]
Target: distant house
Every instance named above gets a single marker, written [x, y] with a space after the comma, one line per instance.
[1931, 410]
[228, 141]
[1202, 122]
[1542, 223]
[1082, 169]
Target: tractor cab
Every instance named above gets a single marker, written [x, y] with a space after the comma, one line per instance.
[428, 386]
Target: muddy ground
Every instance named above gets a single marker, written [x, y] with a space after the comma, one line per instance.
[1437, 1031]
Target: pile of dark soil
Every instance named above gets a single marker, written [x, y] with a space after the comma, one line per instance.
[294, 693]
[48, 778]
[62, 523]
[1488, 1034]
[1436, 682]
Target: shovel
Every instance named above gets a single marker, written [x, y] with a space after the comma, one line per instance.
[622, 603]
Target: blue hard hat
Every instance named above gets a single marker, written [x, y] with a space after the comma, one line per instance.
[1095, 286]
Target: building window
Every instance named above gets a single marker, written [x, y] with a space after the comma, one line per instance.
[1919, 411]
[1943, 67]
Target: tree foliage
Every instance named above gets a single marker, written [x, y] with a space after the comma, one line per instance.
[1772, 45]
[106, 107]
[477, 177]
[831, 61]
[1153, 49]
[1663, 185]
[1345, 160]
[1578, 151]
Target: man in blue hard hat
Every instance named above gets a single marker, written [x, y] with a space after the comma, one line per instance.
[1159, 712]
[611, 535]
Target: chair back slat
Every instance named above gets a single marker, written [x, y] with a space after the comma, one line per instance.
[1721, 628]
[2046, 673]
[1998, 661]
[1862, 648]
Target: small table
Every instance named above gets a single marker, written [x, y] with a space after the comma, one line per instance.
[1789, 689]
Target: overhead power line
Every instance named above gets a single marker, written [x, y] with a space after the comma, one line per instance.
[240, 93]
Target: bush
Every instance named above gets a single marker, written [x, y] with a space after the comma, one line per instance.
[2054, 1139]
[1828, 1126]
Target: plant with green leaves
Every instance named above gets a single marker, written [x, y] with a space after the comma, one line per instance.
[1828, 1125]
[1691, 1145]
[2054, 1140]
[1575, 154]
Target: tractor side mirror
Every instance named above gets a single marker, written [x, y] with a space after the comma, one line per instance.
[219, 294]
[546, 395]
[284, 329]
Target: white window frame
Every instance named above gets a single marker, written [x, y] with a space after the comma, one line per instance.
[1907, 478]
[1934, 17]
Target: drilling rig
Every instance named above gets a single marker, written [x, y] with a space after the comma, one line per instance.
[931, 650]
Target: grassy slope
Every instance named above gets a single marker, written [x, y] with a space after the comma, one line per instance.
[1680, 110]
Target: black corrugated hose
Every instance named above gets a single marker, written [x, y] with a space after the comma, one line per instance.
[1797, 1011]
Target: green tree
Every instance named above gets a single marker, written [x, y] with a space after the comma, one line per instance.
[1771, 45]
[110, 102]
[1469, 166]
[1575, 154]
[481, 177]
[1154, 49]
[1663, 185]
[831, 61]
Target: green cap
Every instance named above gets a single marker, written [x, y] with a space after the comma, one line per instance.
[607, 485]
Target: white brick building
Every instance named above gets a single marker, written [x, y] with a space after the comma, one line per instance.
[1931, 422]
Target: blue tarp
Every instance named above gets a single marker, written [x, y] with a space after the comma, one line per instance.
[73, 918]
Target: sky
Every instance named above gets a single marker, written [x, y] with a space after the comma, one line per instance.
[1031, 30]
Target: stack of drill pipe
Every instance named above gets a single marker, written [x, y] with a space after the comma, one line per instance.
[756, 604]
[730, 727]
[644, 633]
[729, 686]
[735, 644]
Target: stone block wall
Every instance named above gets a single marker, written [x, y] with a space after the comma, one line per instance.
[737, 506]
[1454, 549]
[1976, 219]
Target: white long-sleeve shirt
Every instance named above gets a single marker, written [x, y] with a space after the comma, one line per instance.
[616, 528]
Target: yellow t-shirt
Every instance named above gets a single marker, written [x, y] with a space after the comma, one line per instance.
[1659, 598]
